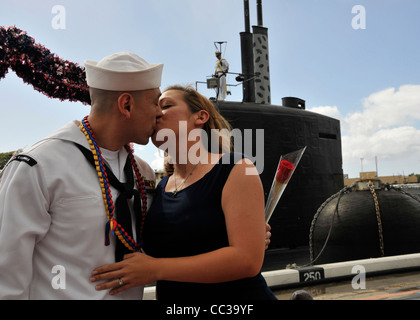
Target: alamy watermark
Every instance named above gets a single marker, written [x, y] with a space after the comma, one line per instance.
[244, 142]
[59, 20]
[359, 280]
[359, 20]
[58, 282]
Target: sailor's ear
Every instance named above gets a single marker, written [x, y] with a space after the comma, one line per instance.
[125, 103]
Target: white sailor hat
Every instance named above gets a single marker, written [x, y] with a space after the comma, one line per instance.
[123, 71]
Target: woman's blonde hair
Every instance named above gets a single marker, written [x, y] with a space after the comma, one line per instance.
[217, 127]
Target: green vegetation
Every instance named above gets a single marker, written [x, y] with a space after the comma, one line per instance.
[415, 175]
[5, 157]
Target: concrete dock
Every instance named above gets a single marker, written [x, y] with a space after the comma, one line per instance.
[386, 278]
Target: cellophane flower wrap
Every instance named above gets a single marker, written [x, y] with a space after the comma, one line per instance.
[284, 172]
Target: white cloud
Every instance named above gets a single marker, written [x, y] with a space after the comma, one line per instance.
[329, 111]
[388, 127]
[385, 143]
[139, 148]
[150, 154]
[385, 109]
[157, 163]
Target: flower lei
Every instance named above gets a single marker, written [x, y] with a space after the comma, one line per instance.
[112, 225]
[36, 65]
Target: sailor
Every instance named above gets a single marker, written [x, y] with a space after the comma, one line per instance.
[57, 217]
[222, 68]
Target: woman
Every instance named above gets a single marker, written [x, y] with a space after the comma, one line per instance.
[204, 233]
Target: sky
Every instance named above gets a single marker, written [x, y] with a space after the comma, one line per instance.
[354, 60]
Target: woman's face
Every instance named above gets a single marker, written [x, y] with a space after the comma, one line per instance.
[176, 121]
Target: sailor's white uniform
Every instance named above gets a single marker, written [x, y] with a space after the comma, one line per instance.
[222, 66]
[52, 214]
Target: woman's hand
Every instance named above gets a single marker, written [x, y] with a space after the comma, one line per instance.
[267, 235]
[135, 270]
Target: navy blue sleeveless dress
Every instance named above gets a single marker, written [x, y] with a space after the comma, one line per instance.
[191, 223]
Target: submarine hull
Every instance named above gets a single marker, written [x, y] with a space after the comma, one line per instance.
[357, 226]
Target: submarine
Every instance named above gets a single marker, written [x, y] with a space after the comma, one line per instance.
[320, 228]
[287, 128]
[317, 220]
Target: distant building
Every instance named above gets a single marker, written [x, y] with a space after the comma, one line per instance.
[396, 179]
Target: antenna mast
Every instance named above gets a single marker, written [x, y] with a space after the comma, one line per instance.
[247, 55]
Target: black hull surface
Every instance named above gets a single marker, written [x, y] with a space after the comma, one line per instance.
[357, 229]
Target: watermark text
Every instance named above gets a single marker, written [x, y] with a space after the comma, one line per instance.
[59, 20]
[58, 282]
[248, 141]
[359, 20]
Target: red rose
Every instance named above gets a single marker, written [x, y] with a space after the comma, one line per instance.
[284, 172]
